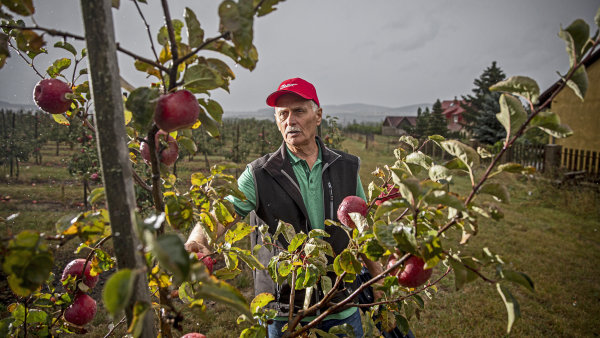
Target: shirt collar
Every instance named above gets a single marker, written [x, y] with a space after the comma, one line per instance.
[295, 159]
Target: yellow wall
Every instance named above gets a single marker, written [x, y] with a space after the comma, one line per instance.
[582, 117]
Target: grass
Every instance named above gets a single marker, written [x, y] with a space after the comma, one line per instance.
[549, 233]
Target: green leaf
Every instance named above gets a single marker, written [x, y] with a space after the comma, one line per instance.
[384, 234]
[444, 198]
[179, 211]
[389, 206]
[116, 4]
[402, 323]
[410, 190]
[254, 331]
[201, 78]
[315, 233]
[420, 159]
[248, 258]
[497, 190]
[238, 232]
[58, 66]
[142, 103]
[140, 310]
[374, 190]
[549, 122]
[226, 274]
[266, 6]
[286, 229]
[512, 115]
[224, 293]
[372, 249]
[27, 262]
[163, 34]
[439, 173]
[213, 108]
[518, 278]
[208, 124]
[462, 151]
[118, 290]
[195, 33]
[147, 68]
[172, 256]
[21, 7]
[66, 46]
[462, 275]
[345, 329]
[188, 144]
[260, 301]
[597, 18]
[580, 32]
[297, 242]
[348, 262]
[579, 82]
[512, 306]
[510, 168]
[431, 249]
[520, 85]
[96, 195]
[411, 141]
[405, 239]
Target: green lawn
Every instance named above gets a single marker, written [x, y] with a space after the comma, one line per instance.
[550, 234]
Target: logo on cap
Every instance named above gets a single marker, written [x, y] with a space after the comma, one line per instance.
[287, 85]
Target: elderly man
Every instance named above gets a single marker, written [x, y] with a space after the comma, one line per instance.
[302, 183]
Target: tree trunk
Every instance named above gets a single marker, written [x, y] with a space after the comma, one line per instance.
[112, 147]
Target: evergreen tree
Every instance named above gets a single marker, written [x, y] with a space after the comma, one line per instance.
[437, 121]
[422, 123]
[481, 107]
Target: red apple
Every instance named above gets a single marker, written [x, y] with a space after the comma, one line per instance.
[348, 205]
[207, 260]
[194, 335]
[389, 193]
[176, 110]
[413, 274]
[50, 96]
[168, 155]
[74, 269]
[82, 311]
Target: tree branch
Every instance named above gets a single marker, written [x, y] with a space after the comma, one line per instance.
[55, 32]
[24, 59]
[173, 42]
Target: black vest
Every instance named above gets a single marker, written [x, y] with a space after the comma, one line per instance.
[278, 197]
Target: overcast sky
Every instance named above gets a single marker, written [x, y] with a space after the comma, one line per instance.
[384, 52]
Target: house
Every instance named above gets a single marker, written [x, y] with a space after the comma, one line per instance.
[582, 117]
[398, 125]
[453, 111]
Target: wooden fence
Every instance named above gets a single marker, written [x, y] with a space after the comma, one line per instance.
[581, 160]
[547, 158]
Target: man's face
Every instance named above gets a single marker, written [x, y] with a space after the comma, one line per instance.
[297, 120]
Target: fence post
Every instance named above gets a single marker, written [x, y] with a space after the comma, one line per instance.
[552, 156]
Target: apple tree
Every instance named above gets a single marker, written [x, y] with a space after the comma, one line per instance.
[412, 203]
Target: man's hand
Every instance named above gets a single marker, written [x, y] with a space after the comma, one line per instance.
[197, 241]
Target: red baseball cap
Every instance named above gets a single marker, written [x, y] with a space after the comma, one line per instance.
[296, 86]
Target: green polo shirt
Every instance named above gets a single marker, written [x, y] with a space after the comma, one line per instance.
[311, 188]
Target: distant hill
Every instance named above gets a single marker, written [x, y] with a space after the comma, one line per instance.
[17, 107]
[346, 113]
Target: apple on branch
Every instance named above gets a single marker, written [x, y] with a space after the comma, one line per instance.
[176, 111]
[167, 155]
[82, 311]
[53, 96]
[351, 204]
[194, 335]
[75, 267]
[413, 274]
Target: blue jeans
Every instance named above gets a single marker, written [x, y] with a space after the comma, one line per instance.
[354, 321]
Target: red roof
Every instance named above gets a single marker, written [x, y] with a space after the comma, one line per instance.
[395, 121]
[453, 110]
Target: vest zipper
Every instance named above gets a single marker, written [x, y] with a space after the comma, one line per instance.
[330, 200]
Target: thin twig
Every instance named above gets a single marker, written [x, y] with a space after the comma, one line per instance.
[23, 57]
[173, 44]
[115, 327]
[149, 36]
[55, 32]
[292, 296]
[406, 296]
